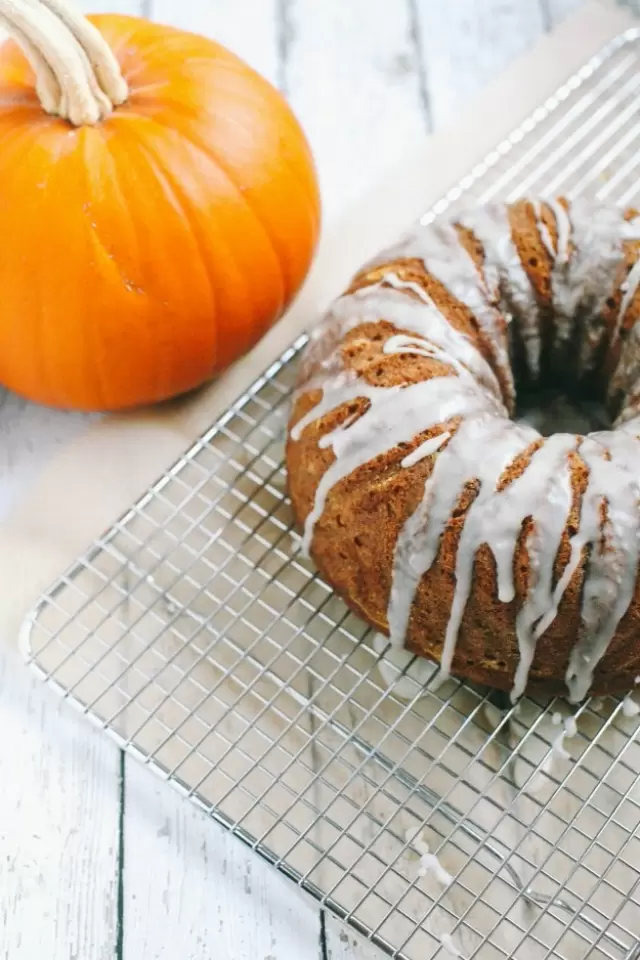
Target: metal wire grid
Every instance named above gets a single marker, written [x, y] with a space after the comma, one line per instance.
[196, 636]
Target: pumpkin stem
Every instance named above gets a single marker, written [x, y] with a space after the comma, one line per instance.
[77, 75]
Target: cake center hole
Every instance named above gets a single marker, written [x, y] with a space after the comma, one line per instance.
[551, 410]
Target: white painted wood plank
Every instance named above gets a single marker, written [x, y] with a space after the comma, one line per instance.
[465, 44]
[29, 436]
[352, 77]
[249, 27]
[58, 826]
[191, 890]
[343, 944]
[559, 10]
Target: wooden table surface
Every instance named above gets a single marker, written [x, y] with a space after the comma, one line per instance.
[98, 860]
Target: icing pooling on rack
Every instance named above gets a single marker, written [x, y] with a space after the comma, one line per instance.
[586, 256]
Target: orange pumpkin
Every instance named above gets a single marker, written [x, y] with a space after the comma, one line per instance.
[158, 203]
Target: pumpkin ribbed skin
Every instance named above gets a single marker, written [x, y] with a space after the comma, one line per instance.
[144, 254]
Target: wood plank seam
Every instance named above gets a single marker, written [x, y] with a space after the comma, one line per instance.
[421, 67]
[547, 19]
[324, 953]
[285, 35]
[120, 913]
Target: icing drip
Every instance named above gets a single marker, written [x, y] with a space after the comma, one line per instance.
[563, 227]
[543, 230]
[395, 415]
[377, 302]
[448, 944]
[463, 459]
[630, 229]
[588, 280]
[629, 288]
[629, 706]
[494, 518]
[439, 248]
[559, 258]
[612, 458]
[558, 750]
[425, 449]
[491, 226]
[560, 252]
[429, 863]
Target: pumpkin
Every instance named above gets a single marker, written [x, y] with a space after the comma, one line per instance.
[158, 203]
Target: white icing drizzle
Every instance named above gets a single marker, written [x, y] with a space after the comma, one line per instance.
[448, 943]
[543, 230]
[563, 227]
[597, 236]
[491, 226]
[439, 248]
[559, 260]
[612, 458]
[486, 442]
[464, 458]
[591, 270]
[429, 863]
[560, 252]
[629, 288]
[377, 302]
[425, 449]
[631, 229]
[629, 706]
[558, 749]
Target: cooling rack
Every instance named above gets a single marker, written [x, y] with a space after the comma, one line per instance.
[197, 637]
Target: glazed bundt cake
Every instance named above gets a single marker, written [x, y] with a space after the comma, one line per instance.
[441, 516]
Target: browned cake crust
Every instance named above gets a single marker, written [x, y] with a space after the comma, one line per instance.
[354, 540]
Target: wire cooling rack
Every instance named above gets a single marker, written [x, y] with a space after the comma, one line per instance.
[199, 639]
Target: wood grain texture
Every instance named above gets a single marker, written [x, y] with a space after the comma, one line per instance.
[555, 11]
[343, 944]
[191, 890]
[465, 44]
[250, 28]
[29, 436]
[59, 808]
[352, 75]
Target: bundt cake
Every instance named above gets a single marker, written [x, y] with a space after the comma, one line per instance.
[441, 516]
